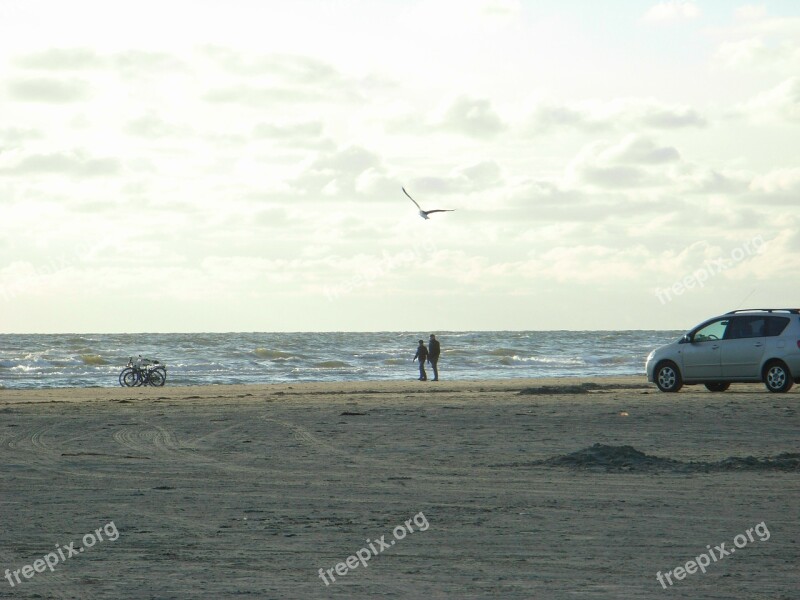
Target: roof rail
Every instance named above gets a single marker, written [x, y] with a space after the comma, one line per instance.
[794, 311]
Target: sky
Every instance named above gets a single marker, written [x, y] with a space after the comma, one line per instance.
[237, 165]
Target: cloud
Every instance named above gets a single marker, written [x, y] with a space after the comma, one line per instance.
[147, 62]
[275, 78]
[639, 150]
[152, 126]
[557, 117]
[353, 159]
[618, 114]
[289, 67]
[264, 96]
[582, 213]
[57, 59]
[783, 100]
[48, 90]
[750, 11]
[756, 40]
[15, 135]
[632, 162]
[502, 8]
[712, 181]
[75, 164]
[614, 176]
[303, 134]
[674, 118]
[472, 178]
[785, 181]
[473, 117]
[352, 170]
[756, 52]
[83, 59]
[308, 129]
[598, 264]
[672, 11]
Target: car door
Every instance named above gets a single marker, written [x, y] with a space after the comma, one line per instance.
[743, 347]
[701, 355]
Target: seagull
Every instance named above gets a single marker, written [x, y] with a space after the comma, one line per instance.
[424, 213]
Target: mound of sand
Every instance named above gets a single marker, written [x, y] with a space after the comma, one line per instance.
[628, 458]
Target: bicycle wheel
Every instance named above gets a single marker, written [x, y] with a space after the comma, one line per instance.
[157, 377]
[132, 379]
[123, 374]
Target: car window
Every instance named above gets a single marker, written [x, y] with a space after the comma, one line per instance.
[746, 327]
[712, 331]
[776, 325]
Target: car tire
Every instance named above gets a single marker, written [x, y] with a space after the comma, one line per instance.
[717, 386]
[777, 377]
[668, 377]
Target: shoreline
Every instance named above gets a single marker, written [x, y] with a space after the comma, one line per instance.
[314, 388]
[557, 386]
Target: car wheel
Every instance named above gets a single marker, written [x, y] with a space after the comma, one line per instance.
[668, 377]
[777, 377]
[718, 386]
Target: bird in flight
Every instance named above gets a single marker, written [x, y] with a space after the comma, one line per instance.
[424, 213]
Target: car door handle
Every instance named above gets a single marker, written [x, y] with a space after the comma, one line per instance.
[758, 345]
[715, 347]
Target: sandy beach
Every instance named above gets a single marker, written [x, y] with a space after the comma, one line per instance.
[489, 489]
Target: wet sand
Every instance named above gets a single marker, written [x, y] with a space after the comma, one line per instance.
[247, 491]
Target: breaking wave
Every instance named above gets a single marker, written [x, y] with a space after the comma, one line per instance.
[271, 354]
[93, 359]
[330, 364]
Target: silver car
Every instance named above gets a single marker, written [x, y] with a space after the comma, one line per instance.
[739, 346]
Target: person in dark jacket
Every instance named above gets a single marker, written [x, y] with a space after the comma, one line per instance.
[433, 356]
[422, 356]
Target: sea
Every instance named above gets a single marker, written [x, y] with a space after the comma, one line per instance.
[95, 360]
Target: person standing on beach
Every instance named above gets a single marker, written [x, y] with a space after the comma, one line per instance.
[422, 355]
[433, 356]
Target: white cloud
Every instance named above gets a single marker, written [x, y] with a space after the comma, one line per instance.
[49, 90]
[634, 161]
[461, 180]
[618, 114]
[502, 8]
[760, 53]
[152, 126]
[56, 59]
[15, 135]
[672, 11]
[781, 102]
[473, 117]
[750, 12]
[343, 172]
[76, 164]
[759, 41]
[779, 181]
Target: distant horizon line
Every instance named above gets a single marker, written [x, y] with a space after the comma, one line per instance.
[409, 331]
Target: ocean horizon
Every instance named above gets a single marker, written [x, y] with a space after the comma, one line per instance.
[95, 360]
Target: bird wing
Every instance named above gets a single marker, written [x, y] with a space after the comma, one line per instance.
[441, 210]
[409, 195]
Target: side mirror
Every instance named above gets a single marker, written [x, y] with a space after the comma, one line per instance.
[686, 339]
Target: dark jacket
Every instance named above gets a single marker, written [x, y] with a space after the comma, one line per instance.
[422, 354]
[433, 352]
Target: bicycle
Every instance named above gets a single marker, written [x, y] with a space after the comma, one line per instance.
[143, 372]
